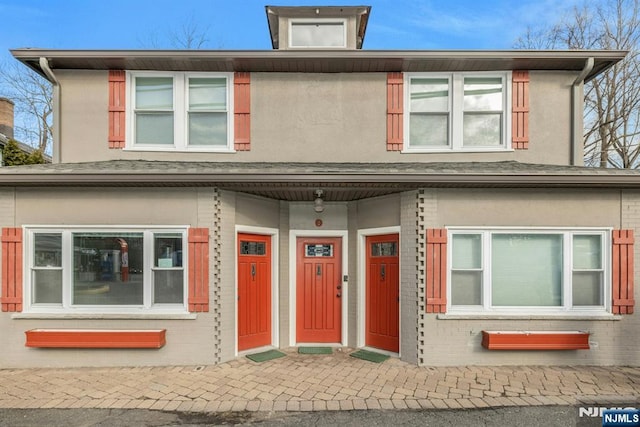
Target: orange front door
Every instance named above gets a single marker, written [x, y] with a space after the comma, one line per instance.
[254, 291]
[319, 290]
[383, 292]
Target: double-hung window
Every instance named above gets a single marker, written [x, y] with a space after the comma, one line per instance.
[180, 111]
[528, 271]
[457, 111]
[106, 270]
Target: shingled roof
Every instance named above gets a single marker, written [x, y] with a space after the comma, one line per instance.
[291, 181]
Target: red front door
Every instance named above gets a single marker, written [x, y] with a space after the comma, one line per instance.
[254, 291]
[319, 290]
[383, 292]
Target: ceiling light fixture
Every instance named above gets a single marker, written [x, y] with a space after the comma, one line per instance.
[318, 204]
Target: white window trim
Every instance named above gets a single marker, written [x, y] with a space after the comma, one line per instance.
[566, 309]
[456, 111]
[67, 272]
[180, 109]
[342, 21]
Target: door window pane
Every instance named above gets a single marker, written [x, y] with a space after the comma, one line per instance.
[384, 249]
[526, 270]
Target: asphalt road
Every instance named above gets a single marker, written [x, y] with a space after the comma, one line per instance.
[513, 416]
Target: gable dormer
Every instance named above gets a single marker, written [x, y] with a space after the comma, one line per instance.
[321, 27]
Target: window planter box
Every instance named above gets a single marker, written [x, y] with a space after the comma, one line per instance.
[95, 338]
[535, 340]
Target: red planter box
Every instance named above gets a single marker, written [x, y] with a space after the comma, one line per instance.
[95, 338]
[535, 340]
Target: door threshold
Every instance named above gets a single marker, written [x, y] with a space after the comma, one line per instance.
[319, 344]
[381, 351]
[257, 350]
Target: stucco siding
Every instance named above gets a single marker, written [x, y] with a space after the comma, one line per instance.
[310, 117]
[451, 340]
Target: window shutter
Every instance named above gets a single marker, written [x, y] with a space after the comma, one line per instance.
[520, 110]
[242, 111]
[622, 272]
[395, 105]
[198, 269]
[436, 270]
[117, 93]
[11, 299]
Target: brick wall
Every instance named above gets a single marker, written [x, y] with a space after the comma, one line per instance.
[409, 276]
[226, 304]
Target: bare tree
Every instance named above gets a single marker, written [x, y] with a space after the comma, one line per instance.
[612, 100]
[32, 96]
[188, 35]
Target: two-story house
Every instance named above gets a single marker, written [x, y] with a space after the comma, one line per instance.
[428, 204]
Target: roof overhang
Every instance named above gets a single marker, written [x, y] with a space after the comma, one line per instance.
[321, 61]
[297, 181]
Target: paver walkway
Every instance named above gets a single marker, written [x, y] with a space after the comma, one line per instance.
[314, 383]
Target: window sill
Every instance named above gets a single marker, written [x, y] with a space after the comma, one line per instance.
[561, 316]
[451, 151]
[107, 316]
[224, 150]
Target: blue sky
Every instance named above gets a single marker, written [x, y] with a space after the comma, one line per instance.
[241, 24]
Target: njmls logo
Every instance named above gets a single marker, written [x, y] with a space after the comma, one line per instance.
[595, 411]
[621, 418]
[613, 417]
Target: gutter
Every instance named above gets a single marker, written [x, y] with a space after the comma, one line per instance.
[576, 157]
[55, 146]
[262, 180]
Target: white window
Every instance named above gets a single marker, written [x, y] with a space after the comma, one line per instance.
[318, 33]
[528, 270]
[457, 111]
[180, 111]
[106, 270]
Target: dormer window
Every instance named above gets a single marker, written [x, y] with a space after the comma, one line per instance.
[318, 33]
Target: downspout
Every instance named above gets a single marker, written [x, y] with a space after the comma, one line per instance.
[55, 145]
[577, 115]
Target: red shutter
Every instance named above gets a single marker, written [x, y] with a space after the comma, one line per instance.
[436, 270]
[117, 93]
[622, 272]
[198, 269]
[242, 111]
[11, 299]
[395, 106]
[520, 110]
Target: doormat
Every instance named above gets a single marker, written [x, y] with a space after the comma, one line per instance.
[315, 350]
[370, 356]
[265, 355]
